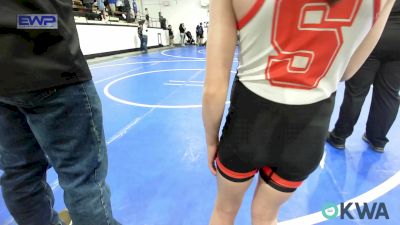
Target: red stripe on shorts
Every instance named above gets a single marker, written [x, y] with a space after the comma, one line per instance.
[234, 174]
[279, 180]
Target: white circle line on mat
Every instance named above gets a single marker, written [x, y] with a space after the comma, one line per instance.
[106, 91]
[177, 56]
[186, 57]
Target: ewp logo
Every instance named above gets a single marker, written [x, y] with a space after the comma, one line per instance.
[378, 210]
[37, 21]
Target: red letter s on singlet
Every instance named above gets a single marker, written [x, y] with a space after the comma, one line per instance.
[310, 23]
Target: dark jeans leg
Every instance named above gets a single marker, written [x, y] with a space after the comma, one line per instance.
[356, 91]
[68, 127]
[72, 136]
[26, 193]
[145, 43]
[385, 103]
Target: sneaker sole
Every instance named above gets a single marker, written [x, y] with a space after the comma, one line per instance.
[340, 147]
[375, 149]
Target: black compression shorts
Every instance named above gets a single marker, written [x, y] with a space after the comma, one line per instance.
[285, 143]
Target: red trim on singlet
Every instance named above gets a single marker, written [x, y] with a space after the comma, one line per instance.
[250, 14]
[234, 174]
[279, 180]
[377, 9]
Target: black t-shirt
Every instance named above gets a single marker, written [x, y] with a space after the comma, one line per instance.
[140, 31]
[33, 60]
[181, 29]
[201, 31]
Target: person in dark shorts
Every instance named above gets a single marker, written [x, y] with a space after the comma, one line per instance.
[283, 95]
[260, 134]
[50, 115]
[382, 70]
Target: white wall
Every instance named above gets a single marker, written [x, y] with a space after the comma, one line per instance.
[188, 12]
[96, 39]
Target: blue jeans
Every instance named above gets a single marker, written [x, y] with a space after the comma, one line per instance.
[61, 127]
[183, 39]
[144, 43]
[100, 5]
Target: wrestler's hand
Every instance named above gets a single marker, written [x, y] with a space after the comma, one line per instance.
[212, 155]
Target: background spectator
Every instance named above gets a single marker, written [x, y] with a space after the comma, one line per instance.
[119, 4]
[171, 35]
[190, 40]
[128, 11]
[140, 33]
[197, 34]
[88, 4]
[112, 6]
[135, 10]
[102, 8]
[163, 21]
[146, 13]
[182, 32]
[120, 7]
[131, 12]
[145, 36]
[201, 34]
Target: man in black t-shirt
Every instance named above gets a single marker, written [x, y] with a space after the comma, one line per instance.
[50, 114]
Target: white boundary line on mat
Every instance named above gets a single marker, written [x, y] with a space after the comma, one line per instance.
[179, 57]
[106, 91]
[186, 57]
